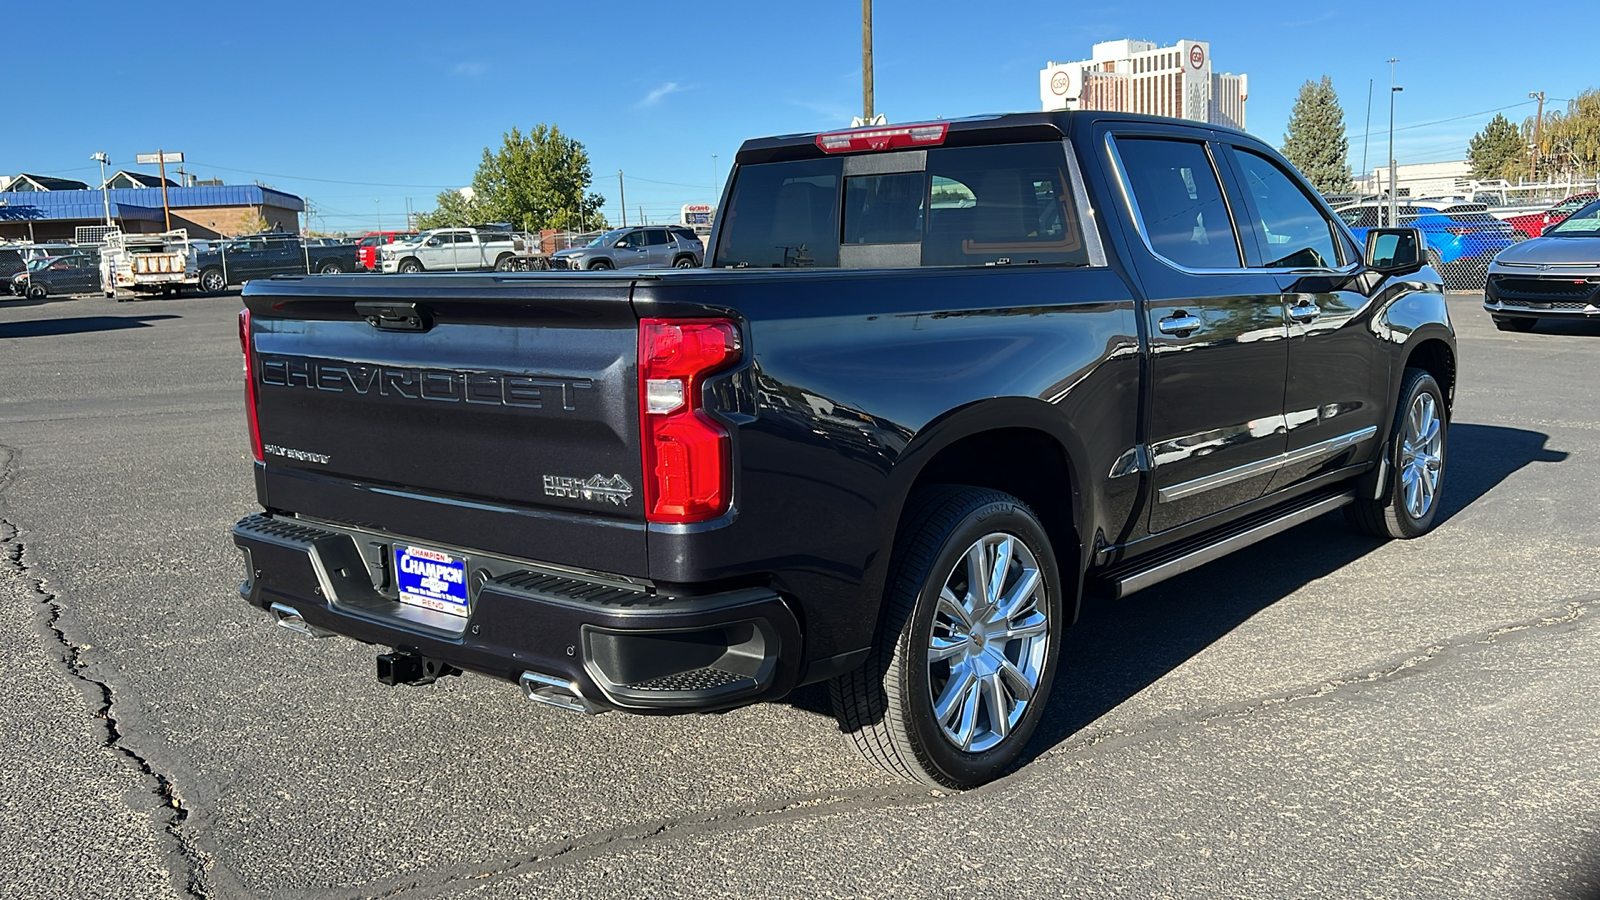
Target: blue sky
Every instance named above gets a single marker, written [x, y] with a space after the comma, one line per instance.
[362, 106]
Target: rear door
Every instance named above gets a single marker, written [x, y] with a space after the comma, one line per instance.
[1217, 330]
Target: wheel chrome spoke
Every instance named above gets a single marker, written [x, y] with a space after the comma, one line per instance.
[1021, 686]
[943, 648]
[997, 576]
[1019, 595]
[952, 607]
[1032, 626]
[977, 576]
[962, 682]
[999, 707]
[969, 715]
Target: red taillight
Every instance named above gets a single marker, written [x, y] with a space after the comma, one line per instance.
[687, 465]
[250, 385]
[1459, 230]
[881, 138]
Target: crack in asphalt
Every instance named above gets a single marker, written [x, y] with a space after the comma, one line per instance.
[195, 880]
[578, 849]
[1415, 662]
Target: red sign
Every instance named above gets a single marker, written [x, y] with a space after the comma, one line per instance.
[1059, 82]
[1197, 56]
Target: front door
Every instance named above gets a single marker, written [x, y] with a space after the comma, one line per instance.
[1336, 396]
[630, 250]
[1217, 332]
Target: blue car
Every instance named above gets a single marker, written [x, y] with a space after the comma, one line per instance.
[1461, 240]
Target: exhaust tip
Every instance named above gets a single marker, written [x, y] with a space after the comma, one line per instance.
[290, 618]
[557, 692]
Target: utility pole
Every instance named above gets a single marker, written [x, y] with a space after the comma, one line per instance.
[866, 61]
[716, 193]
[1394, 169]
[1367, 141]
[165, 208]
[377, 204]
[1538, 125]
[622, 200]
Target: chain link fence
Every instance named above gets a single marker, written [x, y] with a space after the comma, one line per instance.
[1466, 222]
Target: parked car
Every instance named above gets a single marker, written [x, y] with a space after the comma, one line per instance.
[74, 273]
[460, 250]
[240, 259]
[148, 263]
[872, 442]
[1533, 224]
[641, 246]
[1555, 276]
[11, 262]
[367, 246]
[1460, 245]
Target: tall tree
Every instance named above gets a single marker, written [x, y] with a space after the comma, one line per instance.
[1569, 142]
[1498, 151]
[535, 180]
[1315, 142]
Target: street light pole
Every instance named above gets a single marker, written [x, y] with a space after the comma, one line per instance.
[105, 198]
[1394, 170]
[622, 192]
[716, 194]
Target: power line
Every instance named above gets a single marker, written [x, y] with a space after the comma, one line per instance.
[1452, 118]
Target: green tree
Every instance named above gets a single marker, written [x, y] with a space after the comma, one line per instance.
[536, 180]
[1315, 142]
[454, 208]
[1498, 151]
[1569, 141]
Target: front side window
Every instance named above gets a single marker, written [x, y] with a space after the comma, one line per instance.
[1180, 202]
[1295, 233]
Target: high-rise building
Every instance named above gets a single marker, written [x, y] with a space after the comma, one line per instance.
[1139, 77]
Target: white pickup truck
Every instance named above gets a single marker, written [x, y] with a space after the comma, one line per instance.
[462, 250]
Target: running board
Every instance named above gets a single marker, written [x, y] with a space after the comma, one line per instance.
[1119, 582]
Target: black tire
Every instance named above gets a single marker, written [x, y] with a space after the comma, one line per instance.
[1394, 515]
[330, 267]
[600, 264]
[1518, 325]
[888, 706]
[503, 264]
[410, 266]
[38, 291]
[684, 262]
[213, 282]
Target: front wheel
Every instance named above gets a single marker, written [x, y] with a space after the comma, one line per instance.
[684, 262]
[410, 267]
[503, 264]
[331, 267]
[212, 282]
[1409, 500]
[960, 672]
[38, 291]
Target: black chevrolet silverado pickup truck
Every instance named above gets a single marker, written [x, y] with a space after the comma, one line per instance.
[936, 384]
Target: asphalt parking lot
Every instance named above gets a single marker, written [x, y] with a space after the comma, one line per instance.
[1320, 715]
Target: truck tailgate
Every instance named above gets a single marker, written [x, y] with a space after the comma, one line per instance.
[504, 420]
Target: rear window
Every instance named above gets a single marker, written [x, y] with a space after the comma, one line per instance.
[1005, 204]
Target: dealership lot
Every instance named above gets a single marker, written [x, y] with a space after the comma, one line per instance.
[1318, 715]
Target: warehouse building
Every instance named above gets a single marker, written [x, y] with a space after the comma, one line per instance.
[207, 211]
[1140, 77]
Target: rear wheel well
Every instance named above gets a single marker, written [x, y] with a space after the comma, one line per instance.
[1027, 464]
[1435, 358]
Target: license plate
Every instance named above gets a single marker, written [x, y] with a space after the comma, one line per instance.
[431, 579]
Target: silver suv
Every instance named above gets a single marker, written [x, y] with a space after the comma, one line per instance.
[657, 246]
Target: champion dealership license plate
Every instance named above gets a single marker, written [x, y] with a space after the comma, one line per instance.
[431, 579]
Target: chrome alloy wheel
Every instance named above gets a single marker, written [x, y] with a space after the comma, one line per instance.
[988, 644]
[1421, 455]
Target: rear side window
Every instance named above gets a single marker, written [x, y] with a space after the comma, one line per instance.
[783, 215]
[997, 205]
[1180, 202]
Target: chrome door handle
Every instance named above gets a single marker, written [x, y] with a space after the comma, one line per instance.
[1180, 324]
[1304, 313]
